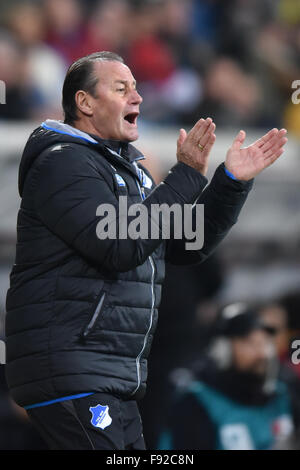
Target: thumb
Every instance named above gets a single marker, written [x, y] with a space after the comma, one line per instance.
[181, 138]
[239, 140]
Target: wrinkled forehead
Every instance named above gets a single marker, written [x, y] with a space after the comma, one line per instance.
[109, 71]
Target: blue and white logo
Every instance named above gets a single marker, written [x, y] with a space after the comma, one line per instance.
[100, 416]
[120, 180]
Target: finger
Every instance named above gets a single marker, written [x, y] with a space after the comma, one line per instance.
[199, 129]
[204, 129]
[273, 141]
[239, 140]
[209, 144]
[275, 148]
[278, 144]
[209, 131]
[274, 157]
[265, 138]
[181, 138]
[197, 126]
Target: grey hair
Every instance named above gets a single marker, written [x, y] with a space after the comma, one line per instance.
[80, 76]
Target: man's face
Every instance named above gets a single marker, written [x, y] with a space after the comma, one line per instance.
[276, 317]
[116, 107]
[251, 353]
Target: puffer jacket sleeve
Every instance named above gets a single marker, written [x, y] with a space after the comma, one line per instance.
[223, 200]
[69, 189]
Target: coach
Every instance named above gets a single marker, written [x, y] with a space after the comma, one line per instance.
[82, 311]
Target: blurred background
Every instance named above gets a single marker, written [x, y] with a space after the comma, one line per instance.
[234, 61]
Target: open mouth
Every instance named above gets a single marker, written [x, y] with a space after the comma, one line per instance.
[131, 118]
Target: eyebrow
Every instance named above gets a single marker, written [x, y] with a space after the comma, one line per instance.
[125, 82]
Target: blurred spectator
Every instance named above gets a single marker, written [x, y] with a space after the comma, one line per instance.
[67, 31]
[170, 90]
[43, 70]
[190, 57]
[233, 398]
[278, 55]
[19, 93]
[275, 316]
[242, 21]
[75, 31]
[232, 92]
[109, 26]
[205, 20]
[284, 316]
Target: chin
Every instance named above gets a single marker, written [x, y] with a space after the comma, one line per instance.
[131, 138]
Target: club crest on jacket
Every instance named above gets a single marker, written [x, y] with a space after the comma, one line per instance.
[100, 416]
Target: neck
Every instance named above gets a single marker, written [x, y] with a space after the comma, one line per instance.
[88, 127]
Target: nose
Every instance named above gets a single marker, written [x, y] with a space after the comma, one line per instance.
[135, 97]
[264, 351]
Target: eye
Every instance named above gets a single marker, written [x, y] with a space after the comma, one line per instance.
[121, 89]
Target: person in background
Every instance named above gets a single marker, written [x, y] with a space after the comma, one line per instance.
[33, 71]
[12, 68]
[232, 399]
[283, 315]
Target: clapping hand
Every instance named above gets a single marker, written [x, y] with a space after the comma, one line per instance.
[246, 163]
[194, 148]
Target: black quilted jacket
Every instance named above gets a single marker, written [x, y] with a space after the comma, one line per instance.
[81, 311]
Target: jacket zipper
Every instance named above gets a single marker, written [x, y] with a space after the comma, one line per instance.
[95, 316]
[138, 365]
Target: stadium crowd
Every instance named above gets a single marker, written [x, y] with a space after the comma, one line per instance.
[190, 57]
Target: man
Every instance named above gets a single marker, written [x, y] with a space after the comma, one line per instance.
[82, 308]
[233, 398]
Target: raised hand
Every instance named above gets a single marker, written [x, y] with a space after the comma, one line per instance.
[194, 148]
[248, 162]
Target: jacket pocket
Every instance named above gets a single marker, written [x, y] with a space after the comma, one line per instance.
[97, 312]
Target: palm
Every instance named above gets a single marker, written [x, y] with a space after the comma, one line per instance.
[248, 162]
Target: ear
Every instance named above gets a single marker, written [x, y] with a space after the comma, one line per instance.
[84, 102]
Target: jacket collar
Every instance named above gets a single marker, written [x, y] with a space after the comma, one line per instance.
[123, 149]
[117, 147]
